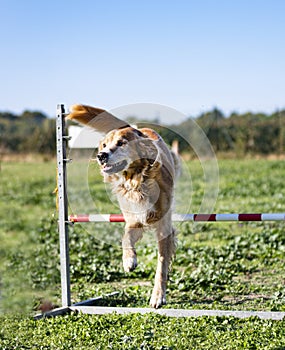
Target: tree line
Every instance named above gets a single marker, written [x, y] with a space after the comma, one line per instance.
[236, 134]
[30, 132]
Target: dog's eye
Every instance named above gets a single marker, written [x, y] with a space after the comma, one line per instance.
[120, 143]
[104, 145]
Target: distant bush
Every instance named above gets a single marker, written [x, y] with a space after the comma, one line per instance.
[31, 132]
[239, 134]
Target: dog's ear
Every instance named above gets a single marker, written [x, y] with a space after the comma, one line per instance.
[96, 118]
[147, 150]
[146, 146]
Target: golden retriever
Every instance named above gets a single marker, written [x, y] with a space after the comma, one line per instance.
[141, 170]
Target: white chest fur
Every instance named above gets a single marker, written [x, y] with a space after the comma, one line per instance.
[137, 199]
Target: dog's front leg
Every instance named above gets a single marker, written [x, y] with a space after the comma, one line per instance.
[166, 248]
[133, 232]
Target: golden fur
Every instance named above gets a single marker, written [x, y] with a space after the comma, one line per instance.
[141, 170]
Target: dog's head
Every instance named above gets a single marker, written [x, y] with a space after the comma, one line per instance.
[122, 147]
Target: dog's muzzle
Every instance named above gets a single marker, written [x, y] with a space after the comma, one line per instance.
[110, 167]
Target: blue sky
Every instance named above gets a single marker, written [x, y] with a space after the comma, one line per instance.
[188, 55]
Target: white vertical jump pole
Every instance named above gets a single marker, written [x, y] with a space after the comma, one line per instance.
[61, 140]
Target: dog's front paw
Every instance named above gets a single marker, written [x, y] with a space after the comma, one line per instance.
[129, 260]
[129, 264]
[158, 298]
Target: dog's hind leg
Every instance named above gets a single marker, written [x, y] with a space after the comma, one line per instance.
[133, 232]
[166, 249]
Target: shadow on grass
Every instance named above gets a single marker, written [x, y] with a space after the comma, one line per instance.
[220, 301]
[121, 299]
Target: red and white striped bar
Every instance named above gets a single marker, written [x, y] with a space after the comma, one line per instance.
[184, 217]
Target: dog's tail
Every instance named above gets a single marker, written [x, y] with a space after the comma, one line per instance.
[96, 118]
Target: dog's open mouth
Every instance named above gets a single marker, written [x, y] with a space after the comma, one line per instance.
[114, 168]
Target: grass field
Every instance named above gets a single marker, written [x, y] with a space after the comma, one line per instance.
[225, 266]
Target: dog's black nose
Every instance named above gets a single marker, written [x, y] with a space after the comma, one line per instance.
[102, 157]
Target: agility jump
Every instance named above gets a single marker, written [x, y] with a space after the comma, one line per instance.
[184, 217]
[64, 221]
